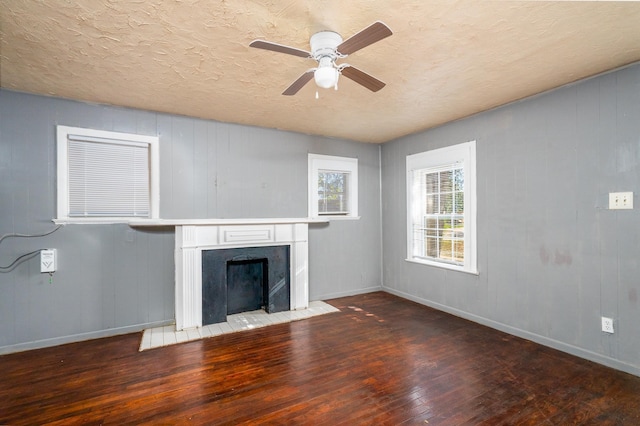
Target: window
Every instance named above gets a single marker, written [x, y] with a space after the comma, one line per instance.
[333, 192]
[441, 207]
[333, 186]
[106, 176]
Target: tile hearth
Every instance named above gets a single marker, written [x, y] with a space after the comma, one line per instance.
[167, 335]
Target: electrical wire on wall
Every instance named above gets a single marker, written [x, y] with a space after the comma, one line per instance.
[25, 256]
[30, 235]
[19, 260]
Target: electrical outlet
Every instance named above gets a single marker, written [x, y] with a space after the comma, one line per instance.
[607, 325]
[621, 200]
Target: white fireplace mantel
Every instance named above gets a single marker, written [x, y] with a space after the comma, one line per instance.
[195, 235]
[135, 223]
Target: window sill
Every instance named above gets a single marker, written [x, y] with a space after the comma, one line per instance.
[330, 218]
[94, 220]
[444, 266]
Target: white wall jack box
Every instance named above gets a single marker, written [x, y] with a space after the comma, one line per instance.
[607, 325]
[620, 200]
[48, 260]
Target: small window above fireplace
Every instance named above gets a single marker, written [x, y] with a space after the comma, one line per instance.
[333, 187]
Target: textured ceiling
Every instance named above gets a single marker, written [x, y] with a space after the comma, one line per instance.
[446, 59]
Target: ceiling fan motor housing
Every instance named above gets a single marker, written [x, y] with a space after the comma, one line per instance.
[325, 43]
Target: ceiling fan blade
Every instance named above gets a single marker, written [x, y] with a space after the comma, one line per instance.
[362, 78]
[299, 83]
[373, 33]
[275, 47]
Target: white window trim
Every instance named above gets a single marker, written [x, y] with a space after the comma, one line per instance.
[63, 133]
[319, 162]
[466, 154]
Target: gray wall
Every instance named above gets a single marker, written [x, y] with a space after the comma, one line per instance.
[114, 279]
[552, 258]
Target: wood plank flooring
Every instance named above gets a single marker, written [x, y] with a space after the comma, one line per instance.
[382, 360]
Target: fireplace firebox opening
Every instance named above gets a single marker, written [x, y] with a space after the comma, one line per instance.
[246, 290]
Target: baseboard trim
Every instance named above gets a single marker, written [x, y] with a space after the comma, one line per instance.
[45, 343]
[545, 341]
[328, 296]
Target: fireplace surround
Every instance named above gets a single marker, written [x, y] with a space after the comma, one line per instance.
[193, 236]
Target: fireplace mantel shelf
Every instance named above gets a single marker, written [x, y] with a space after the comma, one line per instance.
[215, 222]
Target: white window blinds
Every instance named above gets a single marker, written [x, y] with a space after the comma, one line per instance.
[439, 225]
[108, 178]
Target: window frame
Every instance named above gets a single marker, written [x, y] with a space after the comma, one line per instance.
[432, 161]
[329, 163]
[62, 168]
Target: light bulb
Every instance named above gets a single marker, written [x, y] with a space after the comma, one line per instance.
[326, 77]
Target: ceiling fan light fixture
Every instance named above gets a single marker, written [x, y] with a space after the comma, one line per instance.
[326, 77]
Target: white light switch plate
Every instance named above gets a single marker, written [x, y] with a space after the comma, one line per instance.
[620, 200]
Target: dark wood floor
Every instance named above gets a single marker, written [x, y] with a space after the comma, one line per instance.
[381, 360]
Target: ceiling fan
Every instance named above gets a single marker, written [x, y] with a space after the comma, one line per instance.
[326, 48]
